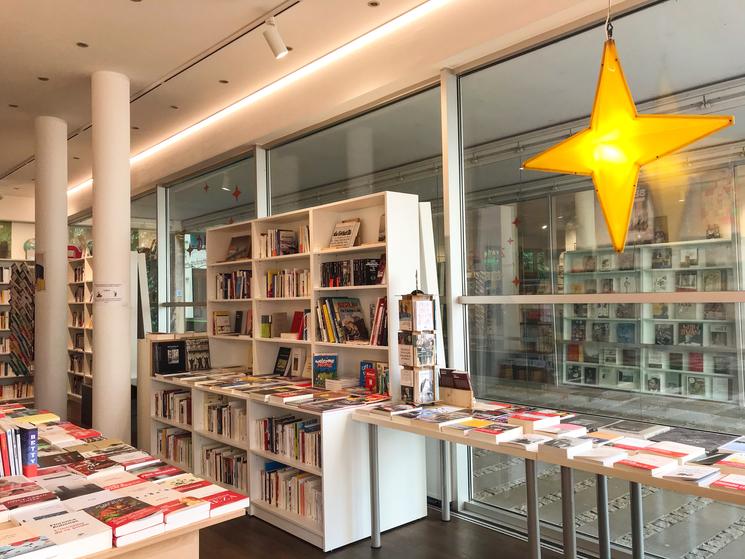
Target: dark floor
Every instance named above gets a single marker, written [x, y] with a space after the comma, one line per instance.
[425, 539]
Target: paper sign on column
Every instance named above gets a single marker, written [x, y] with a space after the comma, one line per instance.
[109, 293]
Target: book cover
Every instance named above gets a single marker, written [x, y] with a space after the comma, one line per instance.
[282, 363]
[688, 257]
[590, 375]
[578, 331]
[95, 466]
[626, 260]
[660, 311]
[351, 319]
[696, 362]
[696, 386]
[239, 248]
[662, 258]
[120, 512]
[676, 361]
[625, 310]
[664, 334]
[345, 234]
[686, 280]
[591, 354]
[655, 359]
[626, 333]
[580, 310]
[600, 332]
[324, 367]
[574, 374]
[719, 335]
[690, 333]
[602, 310]
[654, 382]
[20, 541]
[715, 311]
[686, 311]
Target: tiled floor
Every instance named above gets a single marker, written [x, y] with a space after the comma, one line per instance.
[676, 526]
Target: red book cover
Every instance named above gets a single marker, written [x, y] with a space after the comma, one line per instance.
[93, 465]
[223, 498]
[121, 511]
[4, 450]
[154, 473]
[635, 464]
[297, 322]
[371, 380]
[696, 362]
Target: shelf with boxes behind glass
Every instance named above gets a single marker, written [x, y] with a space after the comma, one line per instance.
[685, 349]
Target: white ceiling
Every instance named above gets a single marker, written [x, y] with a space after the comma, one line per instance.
[165, 34]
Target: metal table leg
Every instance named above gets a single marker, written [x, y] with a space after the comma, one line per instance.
[567, 513]
[637, 521]
[374, 488]
[534, 529]
[603, 520]
[445, 479]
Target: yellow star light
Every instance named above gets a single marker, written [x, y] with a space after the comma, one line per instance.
[618, 142]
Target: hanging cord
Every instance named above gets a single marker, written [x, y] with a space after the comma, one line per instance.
[608, 24]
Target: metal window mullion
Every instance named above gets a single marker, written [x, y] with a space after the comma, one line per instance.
[261, 178]
[163, 244]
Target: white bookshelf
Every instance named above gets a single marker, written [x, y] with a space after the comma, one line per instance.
[79, 326]
[344, 471]
[9, 377]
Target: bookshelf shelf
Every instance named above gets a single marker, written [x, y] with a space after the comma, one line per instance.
[291, 517]
[283, 341]
[352, 287]
[243, 445]
[228, 301]
[359, 248]
[280, 299]
[171, 423]
[315, 470]
[227, 264]
[361, 347]
[296, 256]
[231, 338]
[80, 333]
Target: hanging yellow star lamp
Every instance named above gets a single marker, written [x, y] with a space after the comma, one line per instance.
[619, 142]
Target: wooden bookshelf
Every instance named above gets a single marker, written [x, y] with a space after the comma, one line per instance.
[344, 482]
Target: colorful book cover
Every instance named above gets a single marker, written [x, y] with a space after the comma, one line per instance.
[324, 367]
[121, 511]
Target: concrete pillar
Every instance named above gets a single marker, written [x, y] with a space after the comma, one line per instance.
[112, 336]
[584, 218]
[51, 336]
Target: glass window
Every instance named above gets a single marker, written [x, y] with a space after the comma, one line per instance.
[396, 147]
[143, 235]
[647, 333]
[221, 196]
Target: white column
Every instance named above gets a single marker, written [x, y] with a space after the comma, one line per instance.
[112, 335]
[51, 359]
[584, 212]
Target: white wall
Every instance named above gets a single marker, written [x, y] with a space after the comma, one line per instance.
[21, 231]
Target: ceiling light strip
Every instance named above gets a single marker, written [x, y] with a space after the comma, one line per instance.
[353, 46]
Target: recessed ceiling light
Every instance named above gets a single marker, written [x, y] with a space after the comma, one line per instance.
[544, 226]
[174, 106]
[82, 45]
[16, 188]
[135, 128]
[12, 105]
[75, 157]
[373, 4]
[225, 189]
[224, 81]
[42, 78]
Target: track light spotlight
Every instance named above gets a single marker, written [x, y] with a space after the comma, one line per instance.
[274, 39]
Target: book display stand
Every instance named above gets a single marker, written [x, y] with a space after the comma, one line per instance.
[265, 305]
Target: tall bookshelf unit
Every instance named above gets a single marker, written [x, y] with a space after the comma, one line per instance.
[79, 327]
[16, 330]
[344, 470]
[676, 349]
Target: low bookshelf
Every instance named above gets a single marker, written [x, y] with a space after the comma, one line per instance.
[16, 331]
[339, 477]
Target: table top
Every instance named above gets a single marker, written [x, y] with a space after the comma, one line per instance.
[639, 477]
[155, 540]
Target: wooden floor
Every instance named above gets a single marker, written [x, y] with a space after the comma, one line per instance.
[425, 539]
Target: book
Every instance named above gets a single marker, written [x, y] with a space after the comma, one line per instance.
[680, 451]
[74, 533]
[602, 310]
[600, 332]
[578, 330]
[324, 367]
[239, 248]
[350, 319]
[664, 334]
[651, 464]
[580, 310]
[714, 280]
[688, 257]
[169, 356]
[625, 310]
[719, 335]
[465, 427]
[560, 448]
[417, 349]
[732, 464]
[626, 333]
[690, 333]
[531, 421]
[179, 509]
[20, 492]
[730, 482]
[696, 362]
[221, 501]
[605, 262]
[636, 428]
[590, 375]
[626, 260]
[588, 263]
[529, 442]
[94, 467]
[221, 323]
[660, 311]
[686, 280]
[496, 433]
[574, 373]
[609, 355]
[710, 442]
[662, 258]
[282, 362]
[632, 444]
[715, 311]
[689, 473]
[125, 515]
[20, 541]
[603, 455]
[345, 234]
[734, 446]
[416, 312]
[662, 282]
[686, 311]
[653, 382]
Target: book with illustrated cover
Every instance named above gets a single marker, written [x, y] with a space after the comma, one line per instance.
[627, 284]
[350, 319]
[605, 262]
[715, 311]
[600, 332]
[654, 383]
[95, 466]
[609, 355]
[580, 310]
[630, 357]
[690, 333]
[664, 334]
[607, 377]
[686, 281]
[602, 310]
[417, 349]
[709, 441]
[19, 491]
[574, 374]
[126, 515]
[639, 429]
[574, 352]
[660, 311]
[578, 331]
[686, 311]
[287, 242]
[591, 354]
[345, 234]
[324, 367]
[662, 258]
[21, 541]
[282, 362]
[676, 361]
[660, 229]
[626, 260]
[688, 257]
[655, 359]
[699, 475]
[221, 323]
[626, 379]
[625, 310]
[662, 282]
[723, 363]
[590, 375]
[626, 333]
[239, 248]
[588, 264]
[696, 386]
[606, 285]
[714, 280]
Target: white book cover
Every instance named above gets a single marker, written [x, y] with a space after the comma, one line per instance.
[118, 480]
[67, 485]
[730, 482]
[527, 442]
[563, 430]
[604, 455]
[651, 464]
[89, 500]
[632, 444]
[700, 475]
[24, 515]
[178, 508]
[76, 533]
[19, 541]
[732, 464]
[134, 537]
[565, 447]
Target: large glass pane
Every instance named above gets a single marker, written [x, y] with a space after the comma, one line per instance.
[647, 334]
[221, 196]
[143, 234]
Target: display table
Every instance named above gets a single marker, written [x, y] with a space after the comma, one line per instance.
[635, 479]
[182, 543]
